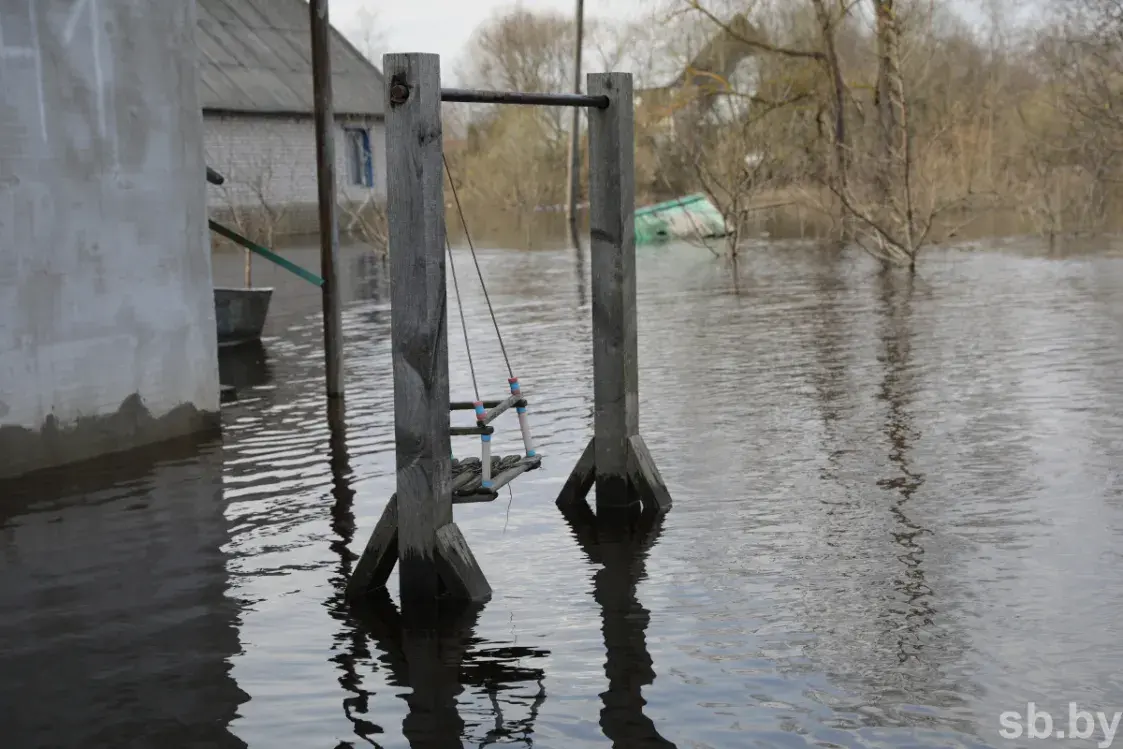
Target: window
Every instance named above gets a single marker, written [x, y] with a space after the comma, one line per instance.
[360, 162]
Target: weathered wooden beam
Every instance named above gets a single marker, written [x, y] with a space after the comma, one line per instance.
[645, 476]
[462, 480]
[580, 479]
[613, 250]
[507, 476]
[379, 557]
[419, 325]
[470, 431]
[467, 485]
[475, 498]
[495, 412]
[471, 406]
[458, 568]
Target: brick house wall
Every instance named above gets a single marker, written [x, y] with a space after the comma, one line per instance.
[270, 167]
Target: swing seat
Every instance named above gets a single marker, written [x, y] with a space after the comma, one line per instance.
[476, 481]
[480, 479]
[467, 476]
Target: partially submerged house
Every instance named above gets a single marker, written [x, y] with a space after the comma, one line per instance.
[255, 87]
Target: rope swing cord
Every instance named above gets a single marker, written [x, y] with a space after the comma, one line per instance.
[507, 470]
[463, 322]
[483, 285]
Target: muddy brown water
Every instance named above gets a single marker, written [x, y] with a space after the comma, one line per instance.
[898, 513]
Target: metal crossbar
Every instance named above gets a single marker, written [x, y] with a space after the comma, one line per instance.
[474, 96]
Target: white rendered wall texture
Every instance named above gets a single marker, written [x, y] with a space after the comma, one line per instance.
[106, 300]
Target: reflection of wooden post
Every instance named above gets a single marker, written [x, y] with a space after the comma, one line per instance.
[433, 557]
[617, 459]
[621, 552]
[435, 661]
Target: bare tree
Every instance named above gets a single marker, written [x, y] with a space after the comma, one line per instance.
[895, 120]
[254, 194]
[903, 190]
[367, 220]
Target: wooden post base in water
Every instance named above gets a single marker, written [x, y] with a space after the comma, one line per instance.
[642, 483]
[416, 528]
[616, 459]
[460, 575]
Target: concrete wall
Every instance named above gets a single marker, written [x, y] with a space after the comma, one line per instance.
[107, 328]
[270, 164]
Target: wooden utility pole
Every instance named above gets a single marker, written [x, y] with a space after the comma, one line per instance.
[324, 114]
[574, 187]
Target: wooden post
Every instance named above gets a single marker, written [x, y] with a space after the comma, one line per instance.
[324, 116]
[419, 332]
[613, 251]
[616, 460]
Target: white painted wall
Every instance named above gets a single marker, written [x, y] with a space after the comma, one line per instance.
[105, 276]
[273, 159]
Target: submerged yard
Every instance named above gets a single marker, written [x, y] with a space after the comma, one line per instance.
[897, 516]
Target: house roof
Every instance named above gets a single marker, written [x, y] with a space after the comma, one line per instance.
[255, 56]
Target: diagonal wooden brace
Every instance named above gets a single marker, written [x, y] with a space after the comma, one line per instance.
[643, 479]
[379, 557]
[459, 572]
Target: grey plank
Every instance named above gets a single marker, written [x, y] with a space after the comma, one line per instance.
[418, 318]
[379, 556]
[459, 570]
[580, 479]
[646, 477]
[613, 250]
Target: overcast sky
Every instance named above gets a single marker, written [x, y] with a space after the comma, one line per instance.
[444, 26]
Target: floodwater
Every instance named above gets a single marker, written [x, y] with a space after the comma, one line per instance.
[898, 514]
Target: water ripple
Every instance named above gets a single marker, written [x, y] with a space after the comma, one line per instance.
[897, 515]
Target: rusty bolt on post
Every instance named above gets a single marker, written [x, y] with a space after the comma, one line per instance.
[399, 92]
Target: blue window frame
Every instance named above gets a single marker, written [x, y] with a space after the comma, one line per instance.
[360, 159]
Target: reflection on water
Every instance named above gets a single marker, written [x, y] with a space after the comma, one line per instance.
[116, 628]
[897, 514]
[896, 386]
[620, 548]
[244, 366]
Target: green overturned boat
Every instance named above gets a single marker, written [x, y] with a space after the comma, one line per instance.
[686, 218]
